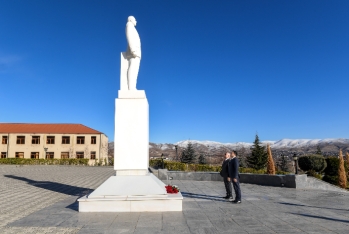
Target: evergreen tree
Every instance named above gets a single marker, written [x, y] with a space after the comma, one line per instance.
[258, 158]
[284, 163]
[202, 159]
[188, 154]
[318, 150]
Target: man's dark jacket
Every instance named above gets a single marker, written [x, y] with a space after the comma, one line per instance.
[234, 168]
[225, 167]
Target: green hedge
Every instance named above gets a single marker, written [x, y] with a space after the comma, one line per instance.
[30, 161]
[178, 166]
[312, 163]
[331, 171]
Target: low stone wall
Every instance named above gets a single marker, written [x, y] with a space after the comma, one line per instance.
[288, 181]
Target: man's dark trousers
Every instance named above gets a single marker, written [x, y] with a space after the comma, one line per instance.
[225, 174]
[228, 186]
[237, 190]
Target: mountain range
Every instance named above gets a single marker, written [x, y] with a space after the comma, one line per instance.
[287, 147]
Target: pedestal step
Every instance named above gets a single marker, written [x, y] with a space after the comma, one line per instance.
[143, 193]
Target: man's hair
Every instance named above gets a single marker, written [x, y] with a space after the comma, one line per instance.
[234, 152]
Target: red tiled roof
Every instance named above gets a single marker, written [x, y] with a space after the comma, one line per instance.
[46, 128]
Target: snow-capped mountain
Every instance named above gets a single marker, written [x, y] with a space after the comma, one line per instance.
[284, 143]
[286, 147]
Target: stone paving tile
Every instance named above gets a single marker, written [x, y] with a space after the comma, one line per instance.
[42, 199]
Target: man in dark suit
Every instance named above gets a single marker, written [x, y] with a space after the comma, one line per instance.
[234, 176]
[225, 175]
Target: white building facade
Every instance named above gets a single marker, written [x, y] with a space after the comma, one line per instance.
[52, 141]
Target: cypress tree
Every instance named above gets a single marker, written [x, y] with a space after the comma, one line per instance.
[342, 177]
[258, 158]
[270, 164]
[188, 154]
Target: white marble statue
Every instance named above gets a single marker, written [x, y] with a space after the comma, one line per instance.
[133, 53]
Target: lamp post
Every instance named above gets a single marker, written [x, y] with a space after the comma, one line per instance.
[295, 159]
[45, 149]
[176, 147]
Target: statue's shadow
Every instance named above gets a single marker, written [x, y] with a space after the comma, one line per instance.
[57, 187]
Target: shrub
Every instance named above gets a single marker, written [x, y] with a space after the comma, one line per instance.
[314, 163]
[331, 171]
[30, 161]
[332, 166]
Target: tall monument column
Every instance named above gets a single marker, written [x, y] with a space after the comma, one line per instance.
[131, 139]
[133, 188]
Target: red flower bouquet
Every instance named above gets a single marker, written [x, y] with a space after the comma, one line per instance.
[172, 189]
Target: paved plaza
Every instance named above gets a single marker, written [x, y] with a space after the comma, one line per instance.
[42, 199]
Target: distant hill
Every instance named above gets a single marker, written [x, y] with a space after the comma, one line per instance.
[215, 150]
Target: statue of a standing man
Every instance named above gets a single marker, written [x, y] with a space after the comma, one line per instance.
[133, 53]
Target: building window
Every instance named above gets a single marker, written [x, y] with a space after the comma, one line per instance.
[20, 140]
[80, 140]
[19, 154]
[4, 139]
[3, 154]
[35, 140]
[79, 154]
[93, 140]
[34, 155]
[93, 154]
[50, 140]
[64, 155]
[50, 155]
[65, 140]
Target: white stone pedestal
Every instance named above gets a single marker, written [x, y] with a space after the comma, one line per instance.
[131, 139]
[133, 188]
[142, 193]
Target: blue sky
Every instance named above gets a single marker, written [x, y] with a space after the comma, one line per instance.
[212, 70]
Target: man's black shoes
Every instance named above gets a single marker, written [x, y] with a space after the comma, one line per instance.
[226, 197]
[236, 202]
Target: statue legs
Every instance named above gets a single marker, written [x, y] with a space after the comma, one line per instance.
[132, 72]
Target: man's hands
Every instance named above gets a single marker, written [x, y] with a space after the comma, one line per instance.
[234, 179]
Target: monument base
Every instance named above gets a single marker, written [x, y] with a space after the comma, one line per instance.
[135, 193]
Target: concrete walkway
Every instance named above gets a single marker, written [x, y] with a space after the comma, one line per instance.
[42, 199]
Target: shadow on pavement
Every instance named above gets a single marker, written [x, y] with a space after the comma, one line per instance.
[322, 217]
[54, 186]
[203, 196]
[292, 204]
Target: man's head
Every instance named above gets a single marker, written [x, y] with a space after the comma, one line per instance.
[234, 154]
[227, 155]
[132, 20]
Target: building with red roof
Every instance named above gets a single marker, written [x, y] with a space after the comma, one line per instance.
[27, 140]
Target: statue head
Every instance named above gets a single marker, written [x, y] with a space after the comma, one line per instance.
[132, 20]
